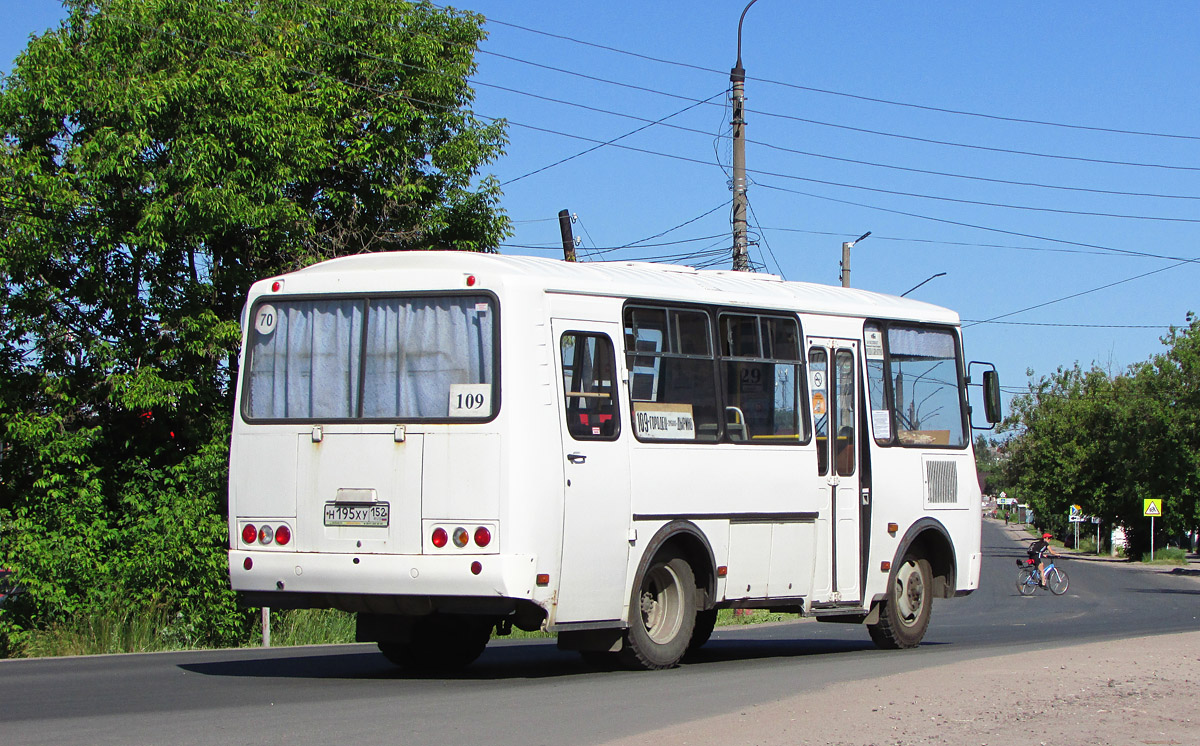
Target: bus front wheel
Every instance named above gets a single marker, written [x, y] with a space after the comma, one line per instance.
[662, 615]
[905, 612]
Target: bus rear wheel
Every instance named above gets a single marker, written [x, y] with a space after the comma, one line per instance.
[905, 612]
[662, 615]
[441, 642]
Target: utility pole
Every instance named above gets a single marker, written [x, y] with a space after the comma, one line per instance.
[737, 76]
[845, 265]
[564, 226]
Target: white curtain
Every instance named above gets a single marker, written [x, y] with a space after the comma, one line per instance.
[417, 348]
[307, 366]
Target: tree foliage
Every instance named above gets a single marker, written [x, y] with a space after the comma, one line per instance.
[156, 157]
[1107, 442]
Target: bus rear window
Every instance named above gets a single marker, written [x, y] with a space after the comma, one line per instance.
[404, 358]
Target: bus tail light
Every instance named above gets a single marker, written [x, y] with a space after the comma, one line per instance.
[249, 533]
[483, 537]
[283, 535]
[476, 568]
[266, 535]
[464, 536]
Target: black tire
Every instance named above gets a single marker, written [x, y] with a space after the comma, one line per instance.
[1057, 581]
[905, 612]
[441, 642]
[706, 621]
[1026, 584]
[662, 615]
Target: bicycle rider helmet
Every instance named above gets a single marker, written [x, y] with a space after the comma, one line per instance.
[1047, 536]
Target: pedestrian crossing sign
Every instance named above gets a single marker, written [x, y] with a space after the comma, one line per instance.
[1152, 508]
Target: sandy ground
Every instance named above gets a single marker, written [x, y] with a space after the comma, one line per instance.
[1136, 691]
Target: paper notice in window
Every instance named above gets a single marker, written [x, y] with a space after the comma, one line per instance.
[664, 421]
[874, 340]
[881, 422]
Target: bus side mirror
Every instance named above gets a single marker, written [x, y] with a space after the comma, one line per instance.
[992, 409]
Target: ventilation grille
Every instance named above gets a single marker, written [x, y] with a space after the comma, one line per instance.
[941, 482]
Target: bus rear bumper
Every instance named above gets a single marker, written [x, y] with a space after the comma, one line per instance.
[260, 574]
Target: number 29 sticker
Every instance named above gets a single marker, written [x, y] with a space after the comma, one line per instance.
[266, 319]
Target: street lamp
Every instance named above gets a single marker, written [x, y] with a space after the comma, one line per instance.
[845, 265]
[737, 76]
[922, 282]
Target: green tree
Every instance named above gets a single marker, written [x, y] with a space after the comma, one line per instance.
[156, 157]
[989, 464]
[1108, 442]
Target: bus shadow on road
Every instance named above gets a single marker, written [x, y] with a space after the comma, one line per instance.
[509, 661]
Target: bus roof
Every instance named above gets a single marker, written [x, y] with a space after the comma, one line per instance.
[400, 269]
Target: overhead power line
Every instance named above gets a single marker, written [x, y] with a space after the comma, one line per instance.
[855, 186]
[610, 142]
[810, 154]
[880, 133]
[1085, 292]
[977, 226]
[858, 97]
[417, 101]
[694, 102]
[1070, 326]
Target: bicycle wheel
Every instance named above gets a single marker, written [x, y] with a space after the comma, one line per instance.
[1026, 583]
[1057, 580]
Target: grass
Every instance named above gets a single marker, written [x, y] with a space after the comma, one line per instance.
[308, 627]
[111, 630]
[1166, 556]
[728, 617]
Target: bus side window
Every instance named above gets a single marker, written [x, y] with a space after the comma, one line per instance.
[589, 386]
[818, 368]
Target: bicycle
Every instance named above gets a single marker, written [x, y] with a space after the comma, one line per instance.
[1027, 578]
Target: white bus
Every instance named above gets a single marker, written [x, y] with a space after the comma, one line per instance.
[451, 444]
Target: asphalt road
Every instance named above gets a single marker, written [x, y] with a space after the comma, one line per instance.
[522, 692]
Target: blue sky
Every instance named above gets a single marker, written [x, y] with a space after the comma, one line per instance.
[1020, 212]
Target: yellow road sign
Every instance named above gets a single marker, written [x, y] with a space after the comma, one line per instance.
[1152, 507]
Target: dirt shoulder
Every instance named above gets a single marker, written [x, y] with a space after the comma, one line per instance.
[1135, 691]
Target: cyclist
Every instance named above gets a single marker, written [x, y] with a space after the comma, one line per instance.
[1038, 550]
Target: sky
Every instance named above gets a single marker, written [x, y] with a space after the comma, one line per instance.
[1044, 156]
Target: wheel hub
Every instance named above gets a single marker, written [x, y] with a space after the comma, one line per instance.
[911, 593]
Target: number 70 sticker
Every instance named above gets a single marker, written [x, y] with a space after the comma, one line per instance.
[266, 319]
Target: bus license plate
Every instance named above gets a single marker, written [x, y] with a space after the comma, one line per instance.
[356, 514]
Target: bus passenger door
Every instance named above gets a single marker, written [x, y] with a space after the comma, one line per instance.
[833, 383]
[596, 518]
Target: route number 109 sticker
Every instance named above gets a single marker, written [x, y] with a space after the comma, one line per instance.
[470, 400]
